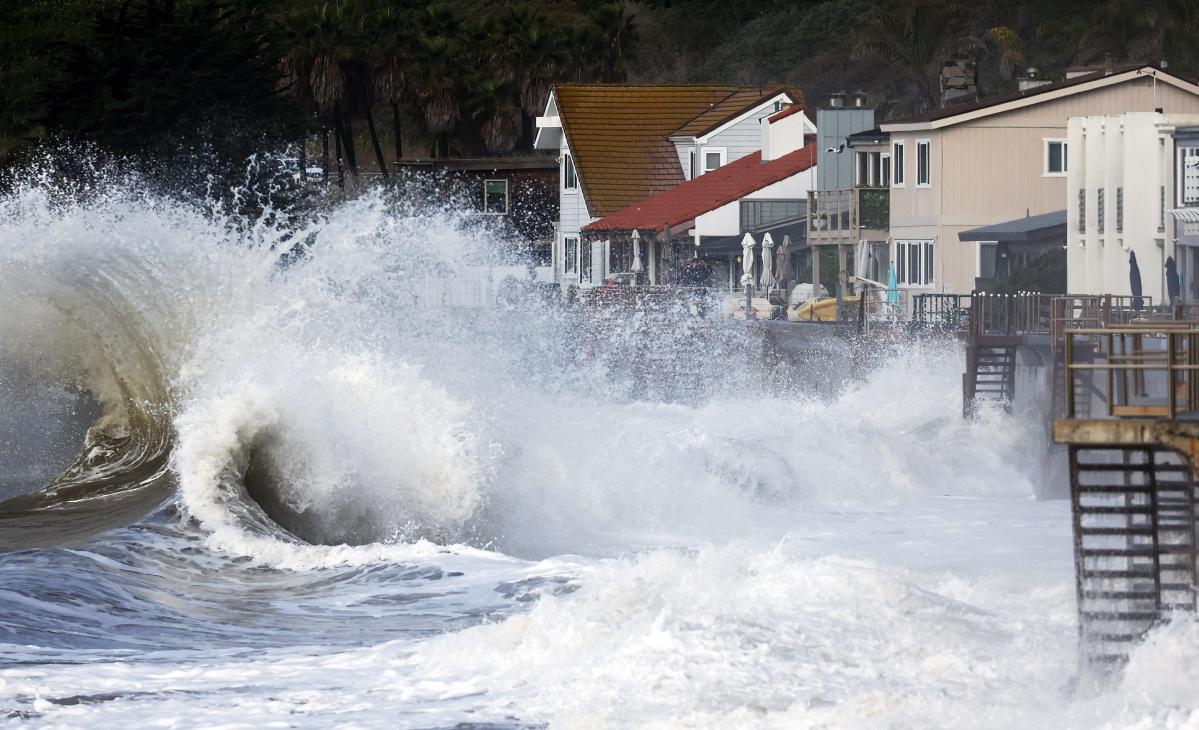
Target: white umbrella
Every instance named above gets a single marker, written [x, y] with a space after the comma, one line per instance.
[636, 267]
[782, 263]
[747, 260]
[768, 281]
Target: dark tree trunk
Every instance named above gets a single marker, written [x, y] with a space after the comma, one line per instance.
[395, 130]
[527, 130]
[443, 143]
[338, 134]
[325, 153]
[304, 157]
[370, 125]
[346, 128]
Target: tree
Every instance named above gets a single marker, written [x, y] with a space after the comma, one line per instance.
[919, 36]
[160, 76]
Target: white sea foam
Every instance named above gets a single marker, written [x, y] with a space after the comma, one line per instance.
[541, 546]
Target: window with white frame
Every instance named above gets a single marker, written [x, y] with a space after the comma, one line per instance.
[872, 169]
[570, 180]
[714, 157]
[897, 159]
[585, 261]
[495, 197]
[915, 262]
[570, 255]
[1056, 158]
[923, 163]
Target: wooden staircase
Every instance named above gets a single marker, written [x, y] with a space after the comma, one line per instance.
[990, 372]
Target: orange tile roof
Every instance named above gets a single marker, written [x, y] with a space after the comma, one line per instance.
[619, 133]
[707, 192]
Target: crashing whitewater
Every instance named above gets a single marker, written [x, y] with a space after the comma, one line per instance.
[261, 471]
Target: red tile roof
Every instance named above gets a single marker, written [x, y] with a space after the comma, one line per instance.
[793, 109]
[619, 133]
[707, 192]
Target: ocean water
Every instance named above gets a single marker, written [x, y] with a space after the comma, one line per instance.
[265, 474]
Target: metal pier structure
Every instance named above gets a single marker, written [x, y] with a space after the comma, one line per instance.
[1130, 422]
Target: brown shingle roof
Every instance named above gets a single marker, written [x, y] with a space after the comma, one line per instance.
[618, 134]
[953, 110]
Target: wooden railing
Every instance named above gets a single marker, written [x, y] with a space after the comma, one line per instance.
[1148, 370]
[839, 216]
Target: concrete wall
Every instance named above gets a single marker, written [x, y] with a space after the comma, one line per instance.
[832, 127]
[991, 170]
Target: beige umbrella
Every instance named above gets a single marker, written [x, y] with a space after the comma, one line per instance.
[782, 262]
[768, 281]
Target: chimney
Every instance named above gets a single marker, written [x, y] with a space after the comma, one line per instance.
[959, 80]
[1030, 79]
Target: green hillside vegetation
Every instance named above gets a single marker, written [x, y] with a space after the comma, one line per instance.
[384, 80]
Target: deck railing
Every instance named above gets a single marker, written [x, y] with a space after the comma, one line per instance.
[1142, 370]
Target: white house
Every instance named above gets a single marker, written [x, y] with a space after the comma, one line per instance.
[706, 217]
[622, 143]
[1133, 188]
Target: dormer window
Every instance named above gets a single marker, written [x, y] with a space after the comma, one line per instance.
[714, 157]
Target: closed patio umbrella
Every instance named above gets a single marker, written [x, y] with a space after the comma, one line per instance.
[1172, 287]
[892, 285]
[782, 262]
[1134, 281]
[768, 282]
[636, 267]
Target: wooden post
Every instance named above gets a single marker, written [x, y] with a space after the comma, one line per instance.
[815, 271]
[672, 271]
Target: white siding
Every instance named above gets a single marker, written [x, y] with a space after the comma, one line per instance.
[741, 139]
[572, 216]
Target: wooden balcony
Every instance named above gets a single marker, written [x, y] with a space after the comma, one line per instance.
[846, 216]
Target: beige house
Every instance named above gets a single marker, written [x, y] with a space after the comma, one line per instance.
[982, 163]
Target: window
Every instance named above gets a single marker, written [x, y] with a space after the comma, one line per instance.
[1119, 210]
[897, 158]
[1082, 210]
[923, 163]
[570, 180]
[1099, 209]
[758, 214]
[585, 262]
[1188, 176]
[1055, 157]
[714, 157]
[495, 197]
[570, 259]
[914, 262]
[872, 169]
[987, 258]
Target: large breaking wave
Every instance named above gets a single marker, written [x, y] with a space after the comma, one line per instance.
[287, 381]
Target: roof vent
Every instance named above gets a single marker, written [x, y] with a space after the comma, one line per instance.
[859, 99]
[836, 100]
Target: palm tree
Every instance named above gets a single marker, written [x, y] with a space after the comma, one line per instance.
[437, 69]
[321, 39]
[495, 103]
[918, 36]
[388, 56]
[614, 33]
[531, 51]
